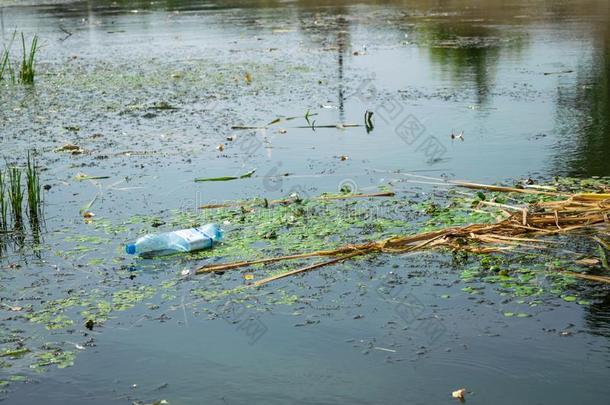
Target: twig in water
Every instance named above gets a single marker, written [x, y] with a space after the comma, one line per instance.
[65, 31]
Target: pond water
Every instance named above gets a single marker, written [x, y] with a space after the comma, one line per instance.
[158, 93]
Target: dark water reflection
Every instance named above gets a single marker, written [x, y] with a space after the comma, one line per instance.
[584, 111]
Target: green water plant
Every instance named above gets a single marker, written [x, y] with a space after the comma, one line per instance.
[5, 62]
[27, 72]
[33, 188]
[15, 194]
[3, 202]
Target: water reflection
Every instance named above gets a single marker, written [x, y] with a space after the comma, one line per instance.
[583, 114]
[466, 43]
[597, 316]
[468, 53]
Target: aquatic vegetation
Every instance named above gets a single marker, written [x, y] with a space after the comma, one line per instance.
[122, 300]
[14, 353]
[3, 202]
[15, 193]
[54, 356]
[5, 62]
[27, 72]
[226, 178]
[12, 194]
[34, 190]
[5, 65]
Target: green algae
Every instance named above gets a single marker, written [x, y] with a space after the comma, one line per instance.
[283, 298]
[14, 353]
[125, 299]
[55, 356]
[517, 315]
[58, 314]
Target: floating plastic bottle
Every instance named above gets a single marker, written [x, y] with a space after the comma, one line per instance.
[185, 240]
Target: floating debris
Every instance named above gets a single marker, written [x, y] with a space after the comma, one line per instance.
[226, 178]
[368, 121]
[83, 176]
[69, 147]
[542, 218]
[459, 136]
[459, 394]
[561, 72]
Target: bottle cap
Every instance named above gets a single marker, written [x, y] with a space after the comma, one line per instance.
[130, 249]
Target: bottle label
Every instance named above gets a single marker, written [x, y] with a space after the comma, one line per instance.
[195, 238]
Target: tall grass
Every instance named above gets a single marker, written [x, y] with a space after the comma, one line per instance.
[33, 188]
[3, 202]
[15, 193]
[5, 67]
[5, 61]
[27, 72]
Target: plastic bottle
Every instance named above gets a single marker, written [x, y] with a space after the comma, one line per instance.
[185, 240]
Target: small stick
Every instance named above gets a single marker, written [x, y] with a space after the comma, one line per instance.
[230, 266]
[521, 239]
[65, 31]
[364, 195]
[590, 277]
[310, 267]
[506, 206]
[234, 265]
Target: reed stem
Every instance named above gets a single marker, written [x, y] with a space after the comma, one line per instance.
[15, 193]
[33, 188]
[3, 202]
[27, 72]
